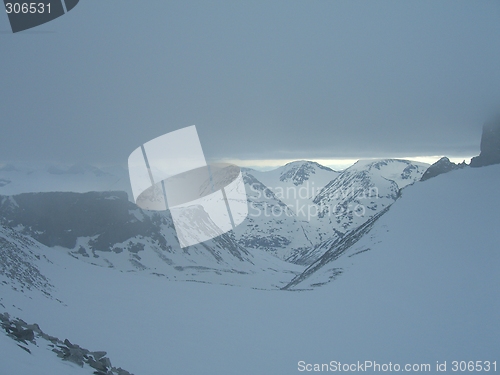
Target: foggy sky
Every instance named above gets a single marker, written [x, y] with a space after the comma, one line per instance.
[260, 79]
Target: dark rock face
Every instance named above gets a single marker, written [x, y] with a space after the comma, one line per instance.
[103, 221]
[443, 165]
[490, 145]
[59, 218]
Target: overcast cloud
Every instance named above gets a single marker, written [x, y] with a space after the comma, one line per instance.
[260, 79]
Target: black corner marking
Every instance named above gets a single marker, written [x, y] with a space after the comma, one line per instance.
[70, 4]
[26, 14]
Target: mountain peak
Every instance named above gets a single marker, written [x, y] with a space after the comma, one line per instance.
[443, 165]
[300, 171]
[306, 162]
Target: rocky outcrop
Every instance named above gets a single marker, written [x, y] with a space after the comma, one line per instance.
[443, 165]
[26, 334]
[60, 218]
[490, 145]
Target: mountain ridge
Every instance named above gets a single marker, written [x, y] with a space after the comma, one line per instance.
[105, 229]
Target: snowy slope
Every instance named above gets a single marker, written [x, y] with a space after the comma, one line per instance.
[364, 189]
[359, 193]
[300, 210]
[106, 230]
[271, 225]
[447, 223]
[277, 208]
[40, 361]
[287, 218]
[425, 290]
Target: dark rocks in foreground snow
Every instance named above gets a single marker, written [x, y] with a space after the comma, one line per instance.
[443, 165]
[24, 333]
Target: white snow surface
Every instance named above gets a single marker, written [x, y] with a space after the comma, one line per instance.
[41, 360]
[425, 290]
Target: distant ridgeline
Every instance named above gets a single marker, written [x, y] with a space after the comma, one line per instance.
[490, 153]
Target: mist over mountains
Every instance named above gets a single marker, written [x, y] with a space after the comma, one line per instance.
[295, 216]
[372, 249]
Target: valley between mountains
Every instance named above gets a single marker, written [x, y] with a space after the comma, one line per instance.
[296, 214]
[324, 268]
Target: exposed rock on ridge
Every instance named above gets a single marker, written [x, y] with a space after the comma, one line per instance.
[490, 145]
[443, 165]
[26, 334]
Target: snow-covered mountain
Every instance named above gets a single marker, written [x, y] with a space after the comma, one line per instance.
[365, 189]
[451, 218]
[105, 229]
[277, 207]
[271, 225]
[288, 216]
[297, 183]
[355, 196]
[418, 286]
[299, 210]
